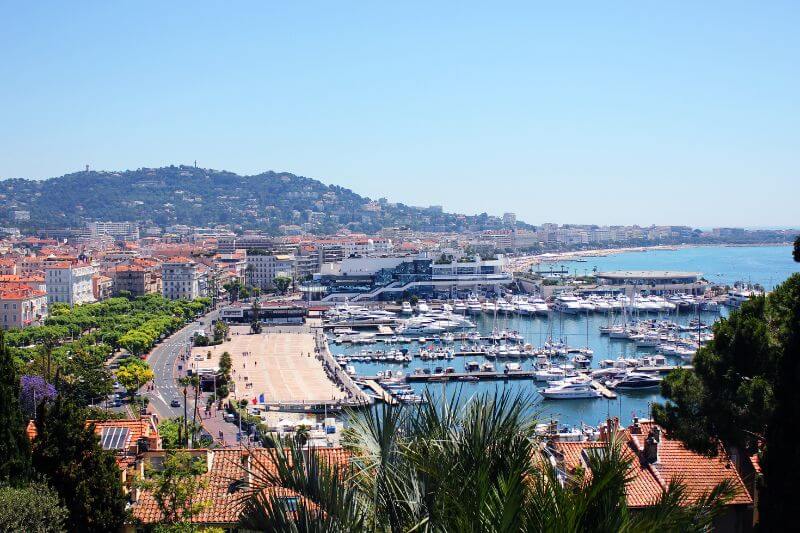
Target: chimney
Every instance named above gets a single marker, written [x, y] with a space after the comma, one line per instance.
[636, 428]
[651, 445]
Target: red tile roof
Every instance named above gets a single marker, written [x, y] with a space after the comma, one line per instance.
[699, 473]
[222, 505]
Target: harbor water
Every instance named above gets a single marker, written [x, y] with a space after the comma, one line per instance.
[767, 266]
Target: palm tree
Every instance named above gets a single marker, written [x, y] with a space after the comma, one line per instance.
[455, 465]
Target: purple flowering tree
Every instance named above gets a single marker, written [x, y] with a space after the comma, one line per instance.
[33, 391]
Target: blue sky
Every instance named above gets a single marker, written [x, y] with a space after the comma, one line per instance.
[603, 112]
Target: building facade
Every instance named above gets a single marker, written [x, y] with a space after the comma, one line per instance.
[183, 279]
[391, 278]
[263, 268]
[136, 279]
[70, 283]
[22, 307]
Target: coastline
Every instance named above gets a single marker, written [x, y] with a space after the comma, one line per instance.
[551, 257]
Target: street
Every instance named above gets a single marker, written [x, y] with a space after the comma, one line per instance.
[164, 362]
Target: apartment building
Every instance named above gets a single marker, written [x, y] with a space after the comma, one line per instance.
[70, 283]
[263, 268]
[22, 307]
[127, 231]
[102, 287]
[136, 279]
[183, 279]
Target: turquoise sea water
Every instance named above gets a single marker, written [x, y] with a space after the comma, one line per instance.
[765, 265]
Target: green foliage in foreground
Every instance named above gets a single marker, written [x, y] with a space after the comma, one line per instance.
[745, 392]
[458, 466]
[14, 450]
[86, 477]
[34, 509]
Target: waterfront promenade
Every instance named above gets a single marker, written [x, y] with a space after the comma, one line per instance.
[281, 368]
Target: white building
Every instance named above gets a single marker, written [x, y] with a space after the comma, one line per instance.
[128, 231]
[263, 268]
[365, 247]
[22, 307]
[69, 283]
[183, 279]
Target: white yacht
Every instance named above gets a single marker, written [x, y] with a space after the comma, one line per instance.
[422, 307]
[473, 305]
[540, 306]
[568, 304]
[570, 390]
[459, 307]
[737, 297]
[406, 308]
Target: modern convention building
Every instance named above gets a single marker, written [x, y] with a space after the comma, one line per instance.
[653, 281]
[392, 278]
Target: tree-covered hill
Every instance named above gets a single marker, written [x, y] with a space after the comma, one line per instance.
[204, 197]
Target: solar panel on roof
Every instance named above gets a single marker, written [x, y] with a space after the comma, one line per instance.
[114, 438]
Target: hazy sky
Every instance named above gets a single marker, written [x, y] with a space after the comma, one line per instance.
[606, 112]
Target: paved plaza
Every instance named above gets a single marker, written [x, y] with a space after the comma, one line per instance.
[279, 363]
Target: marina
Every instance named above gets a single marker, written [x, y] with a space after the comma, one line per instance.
[631, 333]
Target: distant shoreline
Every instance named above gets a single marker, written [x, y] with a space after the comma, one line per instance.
[553, 257]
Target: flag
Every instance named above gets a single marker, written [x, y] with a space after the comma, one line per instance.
[261, 398]
[254, 401]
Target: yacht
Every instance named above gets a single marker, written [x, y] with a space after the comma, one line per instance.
[406, 308]
[487, 367]
[472, 366]
[422, 307]
[570, 390]
[635, 381]
[737, 297]
[540, 306]
[505, 307]
[568, 304]
[473, 305]
[459, 307]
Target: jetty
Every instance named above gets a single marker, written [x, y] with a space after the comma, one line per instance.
[380, 391]
[607, 393]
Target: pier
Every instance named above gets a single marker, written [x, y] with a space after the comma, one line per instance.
[607, 393]
[380, 391]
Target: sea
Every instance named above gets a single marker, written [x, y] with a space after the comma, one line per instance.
[764, 265]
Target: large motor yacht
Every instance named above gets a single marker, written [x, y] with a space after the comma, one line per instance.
[570, 390]
[635, 381]
[568, 304]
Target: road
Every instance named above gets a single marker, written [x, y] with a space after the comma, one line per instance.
[163, 360]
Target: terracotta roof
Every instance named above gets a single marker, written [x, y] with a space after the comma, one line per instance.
[224, 504]
[699, 473]
[21, 294]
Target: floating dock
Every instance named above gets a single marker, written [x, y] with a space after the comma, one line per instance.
[607, 393]
[380, 391]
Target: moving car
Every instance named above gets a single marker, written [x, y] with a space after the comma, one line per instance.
[175, 403]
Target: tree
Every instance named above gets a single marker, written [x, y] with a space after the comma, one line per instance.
[796, 250]
[457, 466]
[745, 389]
[67, 453]
[33, 508]
[14, 448]
[301, 435]
[220, 331]
[281, 282]
[136, 342]
[175, 487]
[134, 373]
[33, 391]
